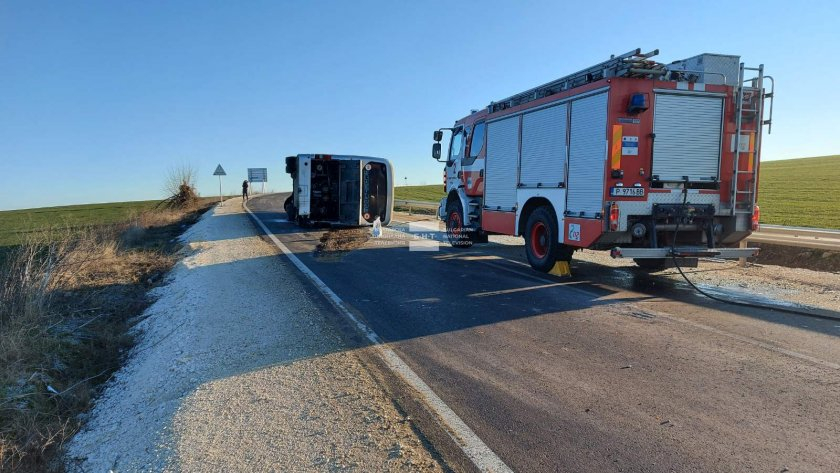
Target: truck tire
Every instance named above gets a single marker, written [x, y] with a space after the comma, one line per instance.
[291, 165]
[458, 235]
[289, 207]
[564, 252]
[650, 264]
[541, 245]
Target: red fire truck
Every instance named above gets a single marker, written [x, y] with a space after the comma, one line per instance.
[655, 162]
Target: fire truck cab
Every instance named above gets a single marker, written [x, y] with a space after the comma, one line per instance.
[655, 162]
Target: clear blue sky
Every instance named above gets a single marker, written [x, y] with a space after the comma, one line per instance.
[98, 99]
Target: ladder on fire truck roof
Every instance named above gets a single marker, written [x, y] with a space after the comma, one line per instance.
[749, 108]
[631, 64]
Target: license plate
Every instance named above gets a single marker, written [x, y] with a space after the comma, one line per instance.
[627, 191]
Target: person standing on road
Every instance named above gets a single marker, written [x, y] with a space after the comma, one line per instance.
[245, 190]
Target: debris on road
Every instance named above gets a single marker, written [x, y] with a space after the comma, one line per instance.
[337, 242]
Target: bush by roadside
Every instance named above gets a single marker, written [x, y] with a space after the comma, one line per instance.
[68, 300]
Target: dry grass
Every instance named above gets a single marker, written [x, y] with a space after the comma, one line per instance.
[68, 300]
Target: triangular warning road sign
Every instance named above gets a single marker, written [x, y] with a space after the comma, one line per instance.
[219, 171]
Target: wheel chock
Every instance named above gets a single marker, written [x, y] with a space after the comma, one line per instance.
[561, 268]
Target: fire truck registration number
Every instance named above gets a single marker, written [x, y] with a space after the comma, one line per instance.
[627, 191]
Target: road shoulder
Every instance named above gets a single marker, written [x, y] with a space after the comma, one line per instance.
[240, 366]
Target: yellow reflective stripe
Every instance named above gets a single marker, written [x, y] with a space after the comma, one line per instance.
[616, 146]
[752, 153]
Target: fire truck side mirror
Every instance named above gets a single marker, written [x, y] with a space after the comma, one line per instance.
[436, 150]
[438, 135]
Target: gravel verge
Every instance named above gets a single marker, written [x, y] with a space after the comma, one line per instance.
[773, 283]
[242, 366]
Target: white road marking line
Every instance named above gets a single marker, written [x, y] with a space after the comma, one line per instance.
[478, 452]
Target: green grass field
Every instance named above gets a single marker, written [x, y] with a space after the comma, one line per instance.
[16, 224]
[800, 192]
[431, 193]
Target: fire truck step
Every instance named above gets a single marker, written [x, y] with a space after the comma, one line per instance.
[694, 253]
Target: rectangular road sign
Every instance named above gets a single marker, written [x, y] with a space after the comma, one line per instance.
[258, 174]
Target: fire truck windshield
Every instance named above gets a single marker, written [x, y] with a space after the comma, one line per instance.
[456, 146]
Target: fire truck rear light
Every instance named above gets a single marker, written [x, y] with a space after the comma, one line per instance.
[755, 217]
[614, 214]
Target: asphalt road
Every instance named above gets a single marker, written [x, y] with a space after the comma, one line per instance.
[611, 370]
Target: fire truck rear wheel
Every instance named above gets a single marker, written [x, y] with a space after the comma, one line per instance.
[289, 207]
[458, 235]
[541, 245]
[565, 252]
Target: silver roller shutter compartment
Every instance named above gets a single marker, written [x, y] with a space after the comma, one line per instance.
[587, 156]
[501, 162]
[543, 162]
[687, 143]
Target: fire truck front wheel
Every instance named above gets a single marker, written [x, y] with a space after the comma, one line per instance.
[458, 235]
[541, 239]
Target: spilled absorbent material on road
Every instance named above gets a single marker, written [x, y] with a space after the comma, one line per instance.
[337, 242]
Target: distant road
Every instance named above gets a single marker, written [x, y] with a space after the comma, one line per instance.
[802, 237]
[613, 370]
[416, 203]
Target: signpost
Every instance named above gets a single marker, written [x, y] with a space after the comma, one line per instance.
[220, 172]
[258, 175]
